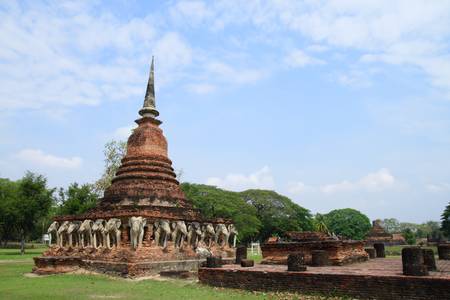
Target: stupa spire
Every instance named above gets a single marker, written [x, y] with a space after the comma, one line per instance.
[149, 109]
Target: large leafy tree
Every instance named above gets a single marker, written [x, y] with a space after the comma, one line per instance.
[34, 201]
[9, 213]
[214, 202]
[445, 224]
[391, 225]
[114, 152]
[277, 213]
[347, 222]
[77, 199]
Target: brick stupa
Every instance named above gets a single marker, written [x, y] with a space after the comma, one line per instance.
[143, 224]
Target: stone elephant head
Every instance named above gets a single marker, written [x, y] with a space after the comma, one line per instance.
[194, 234]
[112, 230]
[98, 233]
[222, 235]
[85, 231]
[72, 231]
[53, 229]
[208, 234]
[233, 235]
[179, 232]
[62, 233]
[136, 225]
[162, 232]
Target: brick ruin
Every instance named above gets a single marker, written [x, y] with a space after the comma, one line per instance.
[340, 252]
[144, 223]
[378, 235]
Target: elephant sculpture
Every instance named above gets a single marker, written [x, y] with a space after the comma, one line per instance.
[194, 234]
[73, 234]
[62, 233]
[233, 235]
[85, 232]
[208, 234]
[162, 232]
[98, 233]
[53, 229]
[179, 233]
[222, 235]
[136, 231]
[112, 232]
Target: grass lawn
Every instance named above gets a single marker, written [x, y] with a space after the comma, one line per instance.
[397, 250]
[6, 254]
[15, 285]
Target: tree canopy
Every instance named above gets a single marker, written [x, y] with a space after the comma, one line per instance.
[277, 213]
[77, 199]
[24, 204]
[257, 214]
[445, 224]
[349, 223]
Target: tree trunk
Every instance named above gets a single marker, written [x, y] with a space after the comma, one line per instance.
[22, 244]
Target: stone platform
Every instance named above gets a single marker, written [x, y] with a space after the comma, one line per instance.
[380, 278]
[58, 265]
[339, 252]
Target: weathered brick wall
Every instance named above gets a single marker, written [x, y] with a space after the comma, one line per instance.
[359, 286]
[339, 252]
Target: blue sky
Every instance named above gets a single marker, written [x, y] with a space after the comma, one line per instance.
[333, 103]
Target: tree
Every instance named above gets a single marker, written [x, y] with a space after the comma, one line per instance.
[114, 152]
[214, 202]
[33, 203]
[277, 213]
[445, 224]
[8, 209]
[347, 222]
[391, 225]
[409, 236]
[77, 199]
[319, 224]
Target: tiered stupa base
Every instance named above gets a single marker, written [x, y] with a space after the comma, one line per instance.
[123, 261]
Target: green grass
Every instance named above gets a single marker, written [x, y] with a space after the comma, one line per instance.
[6, 254]
[15, 285]
[256, 257]
[397, 250]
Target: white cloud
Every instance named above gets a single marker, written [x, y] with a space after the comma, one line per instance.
[438, 187]
[376, 181]
[191, 12]
[411, 32]
[298, 58]
[297, 188]
[238, 76]
[39, 158]
[56, 56]
[122, 133]
[201, 88]
[261, 179]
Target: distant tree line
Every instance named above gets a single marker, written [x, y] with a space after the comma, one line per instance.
[28, 205]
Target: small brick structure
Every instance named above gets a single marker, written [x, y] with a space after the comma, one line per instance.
[241, 253]
[372, 253]
[296, 262]
[379, 235]
[379, 249]
[375, 279]
[413, 262]
[214, 262]
[444, 251]
[246, 263]
[429, 260]
[319, 258]
[339, 252]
